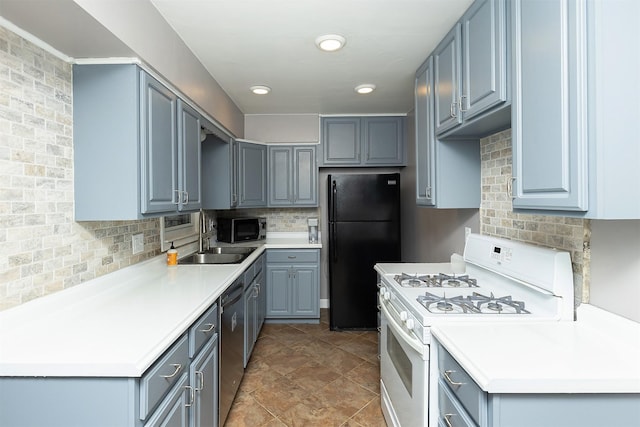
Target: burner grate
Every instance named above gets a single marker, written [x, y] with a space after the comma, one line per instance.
[471, 304]
[440, 280]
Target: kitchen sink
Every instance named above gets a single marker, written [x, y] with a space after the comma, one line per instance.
[219, 255]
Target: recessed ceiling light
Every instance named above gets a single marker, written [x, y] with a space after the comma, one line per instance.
[260, 90]
[364, 89]
[330, 42]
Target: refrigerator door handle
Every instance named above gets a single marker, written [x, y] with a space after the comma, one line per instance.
[334, 238]
[334, 199]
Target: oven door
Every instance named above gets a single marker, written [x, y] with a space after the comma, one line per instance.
[404, 371]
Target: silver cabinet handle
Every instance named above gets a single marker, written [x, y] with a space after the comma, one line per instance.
[177, 368]
[178, 198]
[449, 380]
[200, 380]
[185, 201]
[447, 419]
[463, 98]
[192, 396]
[209, 327]
[292, 257]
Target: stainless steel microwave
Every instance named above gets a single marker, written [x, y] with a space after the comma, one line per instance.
[234, 230]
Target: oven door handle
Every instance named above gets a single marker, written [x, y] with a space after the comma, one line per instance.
[411, 340]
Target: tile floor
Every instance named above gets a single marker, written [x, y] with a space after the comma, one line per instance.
[306, 375]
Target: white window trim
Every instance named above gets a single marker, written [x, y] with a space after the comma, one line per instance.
[181, 235]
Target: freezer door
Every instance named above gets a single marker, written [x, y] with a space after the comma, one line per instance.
[373, 197]
[354, 249]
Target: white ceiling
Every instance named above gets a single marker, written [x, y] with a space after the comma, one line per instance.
[249, 42]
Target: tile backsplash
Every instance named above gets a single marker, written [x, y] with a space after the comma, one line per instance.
[498, 219]
[42, 249]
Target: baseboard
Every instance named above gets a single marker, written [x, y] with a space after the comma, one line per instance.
[324, 303]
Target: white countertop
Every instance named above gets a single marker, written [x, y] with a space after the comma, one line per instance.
[599, 353]
[117, 325]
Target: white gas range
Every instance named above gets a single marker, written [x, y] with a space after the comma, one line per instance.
[497, 279]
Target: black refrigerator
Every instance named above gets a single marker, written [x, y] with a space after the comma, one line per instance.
[364, 229]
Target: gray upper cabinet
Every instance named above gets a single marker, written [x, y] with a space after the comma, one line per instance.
[447, 64]
[425, 135]
[252, 175]
[293, 175]
[363, 141]
[575, 122]
[136, 146]
[219, 172]
[472, 73]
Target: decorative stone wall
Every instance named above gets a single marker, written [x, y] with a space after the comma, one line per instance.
[42, 249]
[498, 219]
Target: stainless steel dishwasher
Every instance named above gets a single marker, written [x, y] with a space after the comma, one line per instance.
[231, 345]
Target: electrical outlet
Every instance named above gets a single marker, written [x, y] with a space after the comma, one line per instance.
[467, 231]
[137, 243]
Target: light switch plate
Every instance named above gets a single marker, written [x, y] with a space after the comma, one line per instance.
[137, 243]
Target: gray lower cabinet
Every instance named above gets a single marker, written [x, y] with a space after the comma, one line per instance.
[363, 141]
[461, 402]
[447, 171]
[252, 175]
[575, 127]
[254, 305]
[293, 284]
[293, 175]
[135, 134]
[179, 389]
[472, 73]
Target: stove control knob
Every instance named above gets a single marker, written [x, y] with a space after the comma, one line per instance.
[383, 290]
[409, 323]
[387, 296]
[403, 316]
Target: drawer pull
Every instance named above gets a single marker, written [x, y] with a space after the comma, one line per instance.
[449, 380]
[292, 257]
[177, 368]
[447, 419]
[209, 327]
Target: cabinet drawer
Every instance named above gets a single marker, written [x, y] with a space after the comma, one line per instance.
[307, 256]
[470, 395]
[450, 412]
[202, 330]
[162, 375]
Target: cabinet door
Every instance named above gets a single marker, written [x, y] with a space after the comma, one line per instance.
[383, 140]
[305, 290]
[204, 380]
[305, 176]
[173, 410]
[446, 64]
[280, 176]
[484, 55]
[189, 155]
[278, 294]
[250, 318]
[252, 175]
[549, 126]
[262, 300]
[341, 141]
[425, 137]
[159, 145]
